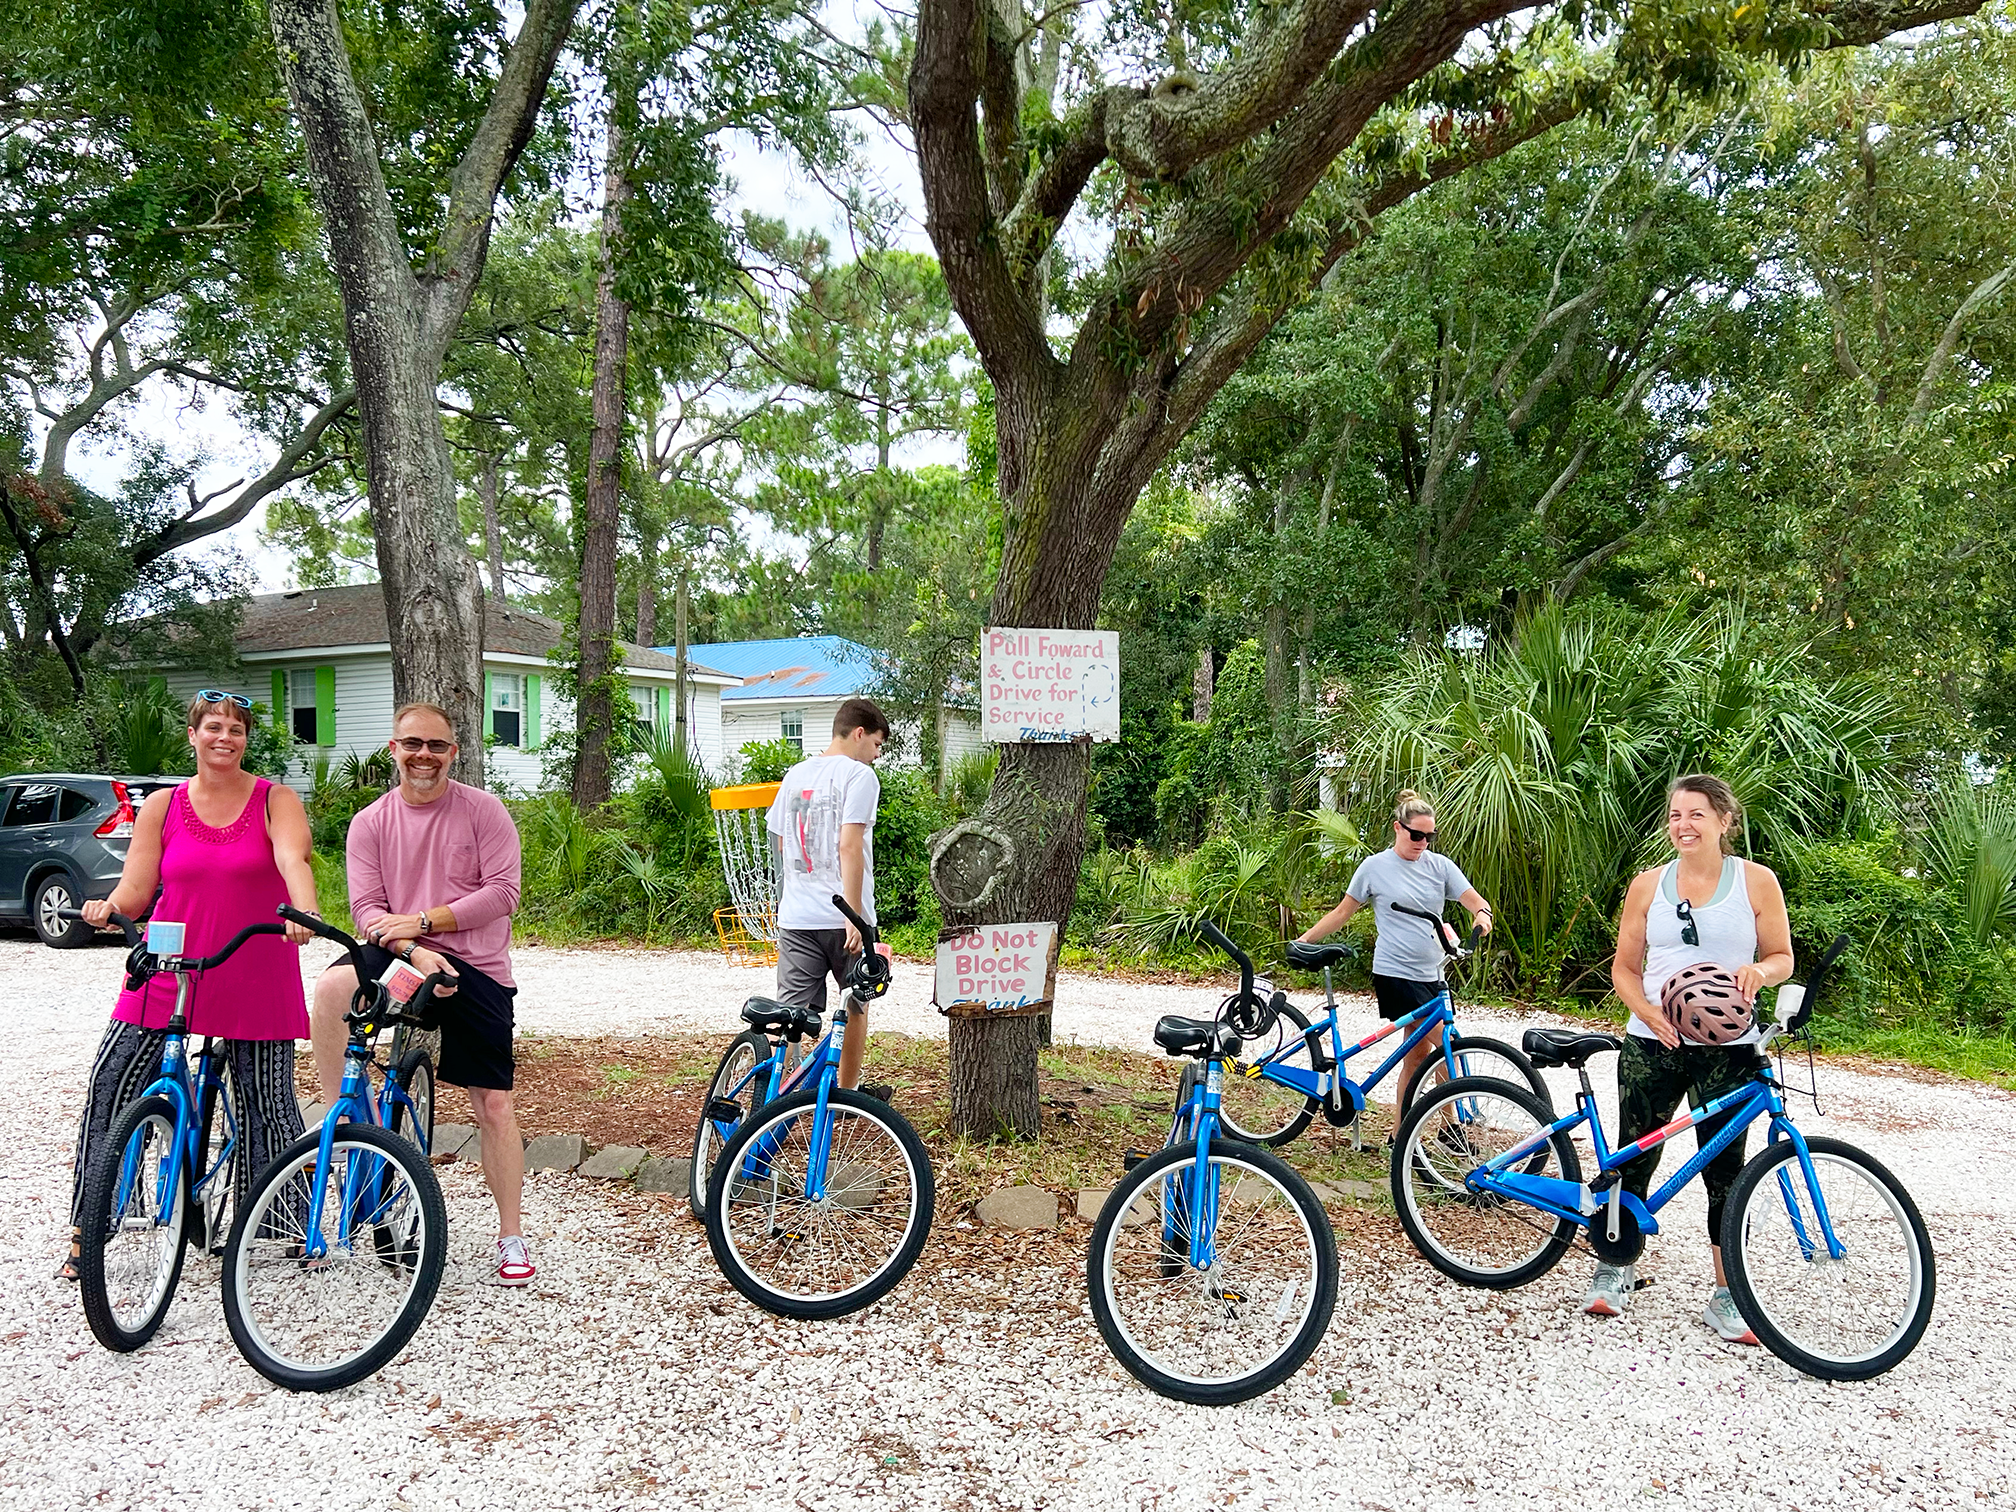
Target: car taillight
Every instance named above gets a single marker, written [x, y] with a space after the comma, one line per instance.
[120, 825]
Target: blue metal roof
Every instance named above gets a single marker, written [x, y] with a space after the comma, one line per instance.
[811, 666]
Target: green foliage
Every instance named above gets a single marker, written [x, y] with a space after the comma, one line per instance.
[345, 789]
[1970, 850]
[769, 760]
[149, 735]
[1548, 757]
[1914, 954]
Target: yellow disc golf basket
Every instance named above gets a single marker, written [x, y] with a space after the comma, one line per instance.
[748, 931]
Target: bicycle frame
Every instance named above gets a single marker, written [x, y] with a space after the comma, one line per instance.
[822, 1064]
[1439, 1012]
[186, 1093]
[1581, 1203]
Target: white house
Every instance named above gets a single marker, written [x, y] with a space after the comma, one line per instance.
[790, 690]
[321, 659]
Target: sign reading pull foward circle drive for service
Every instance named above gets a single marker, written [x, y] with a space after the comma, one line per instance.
[991, 970]
[1049, 685]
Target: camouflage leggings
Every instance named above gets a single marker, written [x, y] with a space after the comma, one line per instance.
[1651, 1081]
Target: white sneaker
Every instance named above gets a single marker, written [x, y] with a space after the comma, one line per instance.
[1723, 1316]
[1610, 1290]
[514, 1262]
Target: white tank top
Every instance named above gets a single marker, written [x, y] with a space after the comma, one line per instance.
[1726, 925]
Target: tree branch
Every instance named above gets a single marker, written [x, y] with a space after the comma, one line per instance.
[450, 272]
[1949, 341]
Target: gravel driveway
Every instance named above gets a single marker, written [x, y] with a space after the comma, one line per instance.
[630, 1375]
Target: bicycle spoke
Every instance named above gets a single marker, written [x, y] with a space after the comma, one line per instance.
[142, 1244]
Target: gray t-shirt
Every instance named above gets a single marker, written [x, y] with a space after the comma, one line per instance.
[1407, 945]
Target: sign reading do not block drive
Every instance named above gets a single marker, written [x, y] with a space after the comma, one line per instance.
[1045, 685]
[997, 968]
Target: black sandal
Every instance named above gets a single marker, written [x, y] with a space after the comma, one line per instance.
[68, 1271]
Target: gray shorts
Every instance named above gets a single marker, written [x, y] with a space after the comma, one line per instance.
[805, 958]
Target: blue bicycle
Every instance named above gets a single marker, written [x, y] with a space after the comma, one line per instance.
[1290, 1074]
[1827, 1257]
[338, 1248]
[163, 1175]
[820, 1199]
[1213, 1268]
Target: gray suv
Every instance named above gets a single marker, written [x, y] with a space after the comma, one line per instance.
[63, 839]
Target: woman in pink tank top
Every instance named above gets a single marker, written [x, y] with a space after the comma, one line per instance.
[225, 849]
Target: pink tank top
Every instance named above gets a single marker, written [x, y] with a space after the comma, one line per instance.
[217, 881]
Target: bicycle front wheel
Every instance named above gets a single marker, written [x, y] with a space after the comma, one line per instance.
[1841, 1320]
[1241, 1320]
[819, 1258]
[1255, 1110]
[744, 1053]
[1480, 1238]
[313, 1321]
[132, 1239]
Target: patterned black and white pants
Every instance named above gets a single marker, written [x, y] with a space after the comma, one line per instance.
[260, 1074]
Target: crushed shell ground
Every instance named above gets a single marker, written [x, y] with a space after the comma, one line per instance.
[630, 1375]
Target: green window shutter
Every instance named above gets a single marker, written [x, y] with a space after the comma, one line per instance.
[665, 709]
[278, 712]
[484, 724]
[325, 706]
[532, 710]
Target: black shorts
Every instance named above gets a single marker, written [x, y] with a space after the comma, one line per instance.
[476, 1023]
[1400, 996]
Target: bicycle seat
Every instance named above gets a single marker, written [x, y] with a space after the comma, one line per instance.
[1181, 1036]
[1315, 957]
[1566, 1047]
[779, 1018]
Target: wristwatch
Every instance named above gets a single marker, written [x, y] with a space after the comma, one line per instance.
[406, 955]
[426, 924]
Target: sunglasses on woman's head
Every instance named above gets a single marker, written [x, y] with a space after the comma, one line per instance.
[1689, 934]
[413, 745]
[217, 695]
[1419, 837]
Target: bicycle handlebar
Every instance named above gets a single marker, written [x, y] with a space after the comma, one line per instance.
[1454, 952]
[871, 971]
[126, 926]
[1218, 937]
[355, 950]
[141, 963]
[328, 932]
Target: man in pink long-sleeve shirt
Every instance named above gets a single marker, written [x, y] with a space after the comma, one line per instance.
[433, 871]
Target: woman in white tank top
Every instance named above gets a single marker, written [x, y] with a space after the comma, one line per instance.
[1705, 905]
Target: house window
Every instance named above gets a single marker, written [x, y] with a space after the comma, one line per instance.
[507, 708]
[301, 705]
[794, 729]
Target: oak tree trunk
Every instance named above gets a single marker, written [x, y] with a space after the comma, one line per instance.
[493, 528]
[595, 703]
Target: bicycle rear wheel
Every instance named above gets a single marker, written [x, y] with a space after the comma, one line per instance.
[1258, 1111]
[415, 1075]
[820, 1259]
[1477, 1056]
[1244, 1322]
[745, 1052]
[1840, 1320]
[1479, 1238]
[132, 1243]
[316, 1323]
[214, 1196]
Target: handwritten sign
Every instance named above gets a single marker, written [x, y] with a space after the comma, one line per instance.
[1044, 685]
[996, 968]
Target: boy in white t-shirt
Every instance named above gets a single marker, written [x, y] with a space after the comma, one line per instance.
[823, 825]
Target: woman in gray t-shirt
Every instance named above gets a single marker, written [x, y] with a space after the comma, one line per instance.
[1407, 962]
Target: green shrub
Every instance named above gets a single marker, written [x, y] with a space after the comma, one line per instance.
[1913, 953]
[769, 760]
[343, 790]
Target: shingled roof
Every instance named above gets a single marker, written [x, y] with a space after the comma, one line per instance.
[355, 616]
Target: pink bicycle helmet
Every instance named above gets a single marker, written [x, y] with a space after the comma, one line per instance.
[1705, 1003]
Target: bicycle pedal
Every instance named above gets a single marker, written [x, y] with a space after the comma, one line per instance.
[1133, 1158]
[1642, 1282]
[724, 1110]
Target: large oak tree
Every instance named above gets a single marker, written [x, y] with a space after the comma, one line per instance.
[1230, 185]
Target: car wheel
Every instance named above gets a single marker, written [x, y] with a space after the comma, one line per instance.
[52, 894]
